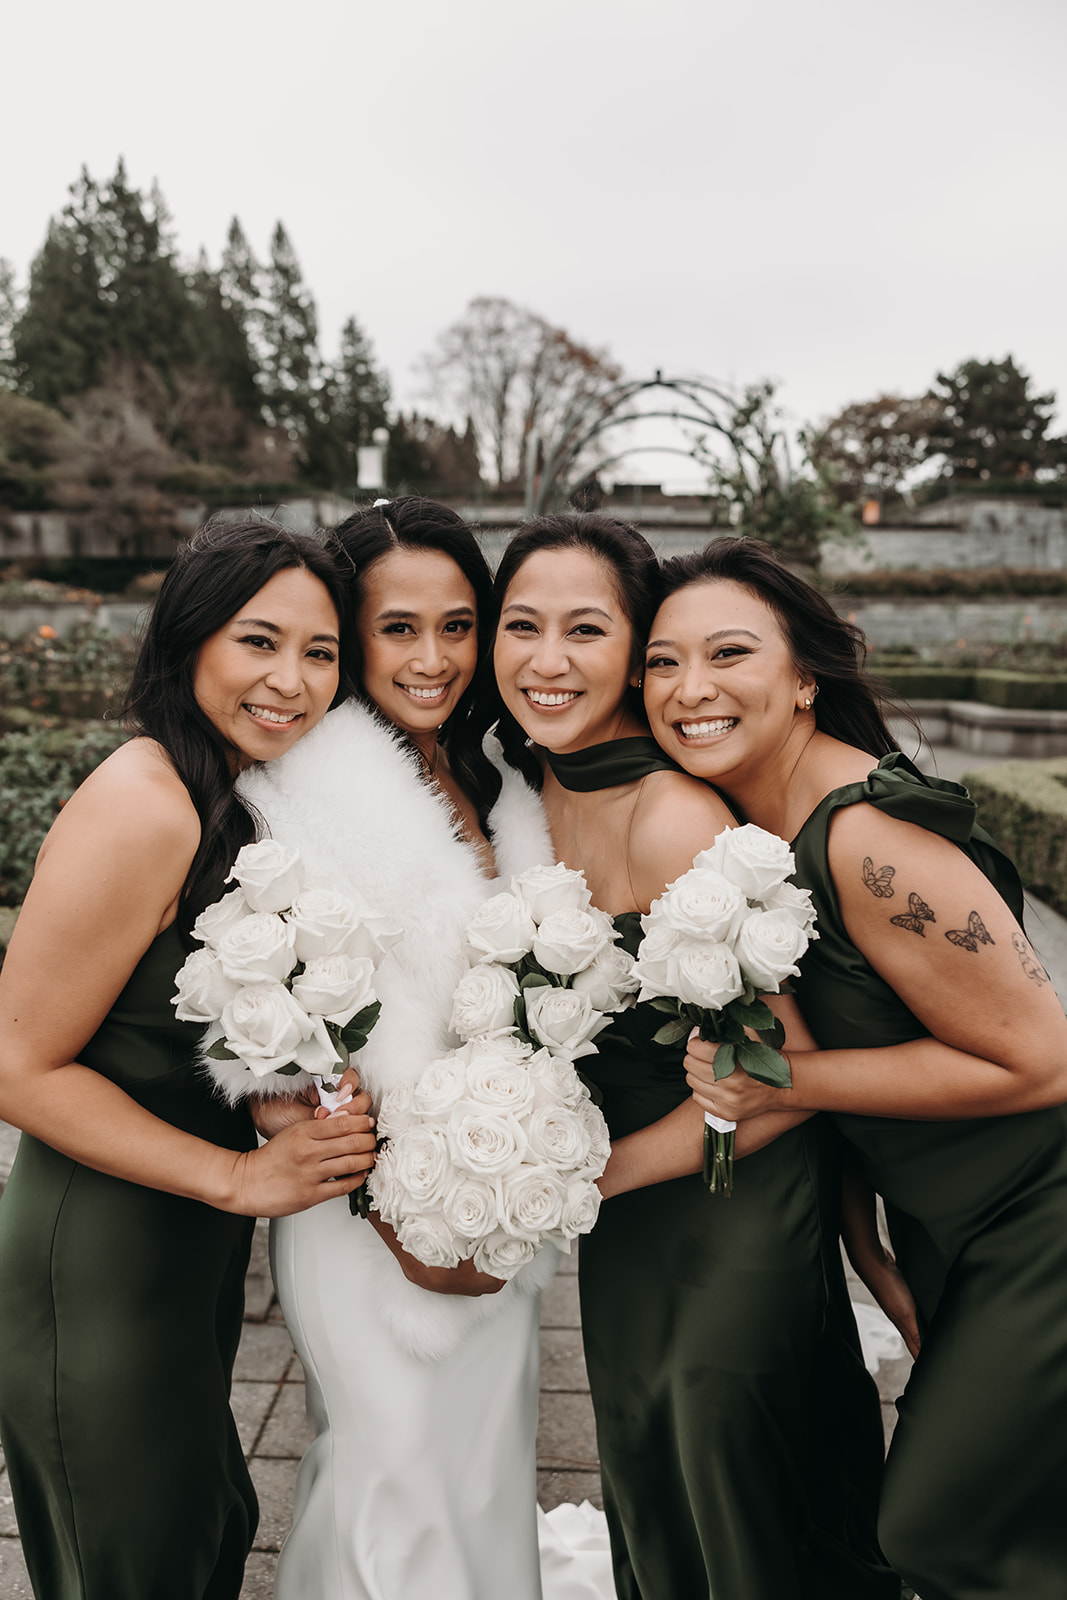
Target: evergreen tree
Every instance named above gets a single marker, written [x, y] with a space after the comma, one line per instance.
[290, 340]
[990, 425]
[8, 318]
[348, 404]
[241, 288]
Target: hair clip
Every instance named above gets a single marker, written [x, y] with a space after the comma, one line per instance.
[378, 503]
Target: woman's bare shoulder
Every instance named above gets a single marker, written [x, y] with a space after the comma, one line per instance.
[676, 817]
[134, 797]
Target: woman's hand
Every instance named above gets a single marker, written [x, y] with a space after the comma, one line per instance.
[274, 1112]
[735, 1098]
[873, 1263]
[888, 1285]
[464, 1279]
[303, 1164]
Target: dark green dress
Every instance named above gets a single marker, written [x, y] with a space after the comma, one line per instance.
[976, 1481]
[739, 1433]
[120, 1313]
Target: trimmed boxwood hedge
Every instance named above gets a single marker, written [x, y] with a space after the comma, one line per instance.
[993, 686]
[1023, 804]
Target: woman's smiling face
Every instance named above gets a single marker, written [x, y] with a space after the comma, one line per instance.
[418, 637]
[721, 688]
[563, 651]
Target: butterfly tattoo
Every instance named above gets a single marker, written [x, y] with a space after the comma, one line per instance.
[970, 937]
[917, 914]
[880, 883]
[1031, 966]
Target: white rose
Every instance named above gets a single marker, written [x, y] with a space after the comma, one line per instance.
[420, 1164]
[702, 904]
[755, 860]
[429, 1239]
[326, 923]
[316, 1053]
[219, 918]
[581, 1207]
[608, 982]
[270, 874]
[652, 967]
[705, 975]
[484, 1000]
[503, 1085]
[768, 947]
[564, 1022]
[501, 929]
[531, 1202]
[592, 1119]
[503, 1254]
[203, 988]
[397, 1112]
[258, 949]
[558, 1136]
[787, 897]
[484, 1142]
[265, 1027]
[387, 1195]
[549, 889]
[336, 987]
[471, 1208]
[567, 941]
[555, 1081]
[502, 1047]
[441, 1084]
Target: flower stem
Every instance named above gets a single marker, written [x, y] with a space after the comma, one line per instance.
[718, 1161]
[359, 1201]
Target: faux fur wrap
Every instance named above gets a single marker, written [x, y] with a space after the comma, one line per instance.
[350, 796]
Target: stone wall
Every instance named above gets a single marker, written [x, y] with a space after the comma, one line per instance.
[960, 532]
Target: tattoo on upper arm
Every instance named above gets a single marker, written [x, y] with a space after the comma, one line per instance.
[916, 916]
[1030, 964]
[880, 883]
[972, 936]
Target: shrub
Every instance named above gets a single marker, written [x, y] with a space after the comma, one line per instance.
[1021, 691]
[928, 682]
[39, 771]
[86, 658]
[1023, 804]
[963, 582]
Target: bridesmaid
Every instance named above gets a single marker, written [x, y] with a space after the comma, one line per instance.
[126, 1224]
[942, 1058]
[706, 1323]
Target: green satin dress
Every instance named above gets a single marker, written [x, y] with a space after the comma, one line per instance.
[120, 1314]
[976, 1481]
[740, 1436]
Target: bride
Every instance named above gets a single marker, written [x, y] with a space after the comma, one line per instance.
[421, 1479]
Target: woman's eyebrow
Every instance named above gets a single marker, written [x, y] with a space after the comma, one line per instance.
[406, 616]
[711, 638]
[272, 627]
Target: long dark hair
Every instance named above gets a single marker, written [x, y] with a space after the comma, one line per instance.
[850, 704]
[413, 523]
[634, 571]
[212, 577]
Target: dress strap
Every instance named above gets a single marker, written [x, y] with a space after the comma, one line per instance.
[605, 766]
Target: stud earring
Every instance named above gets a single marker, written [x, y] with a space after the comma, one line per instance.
[807, 705]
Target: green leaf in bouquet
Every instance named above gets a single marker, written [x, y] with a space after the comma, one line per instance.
[357, 1029]
[764, 1064]
[672, 1032]
[535, 980]
[725, 1060]
[220, 1051]
[775, 1036]
[343, 1053]
[754, 1014]
[664, 1002]
[289, 1071]
[730, 1029]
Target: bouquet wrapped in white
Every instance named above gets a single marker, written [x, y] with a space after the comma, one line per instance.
[497, 1147]
[284, 978]
[730, 929]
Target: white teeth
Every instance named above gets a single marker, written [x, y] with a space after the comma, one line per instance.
[541, 697]
[704, 730]
[425, 694]
[266, 715]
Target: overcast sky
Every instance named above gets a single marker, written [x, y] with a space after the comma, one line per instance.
[839, 195]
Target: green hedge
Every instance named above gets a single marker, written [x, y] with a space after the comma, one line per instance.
[1022, 691]
[965, 583]
[1023, 804]
[39, 771]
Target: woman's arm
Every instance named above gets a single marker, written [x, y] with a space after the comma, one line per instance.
[873, 1263]
[107, 882]
[464, 1279]
[946, 943]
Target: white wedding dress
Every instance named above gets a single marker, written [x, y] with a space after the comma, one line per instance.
[421, 1480]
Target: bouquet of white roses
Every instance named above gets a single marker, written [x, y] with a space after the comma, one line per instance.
[728, 930]
[497, 1148]
[284, 978]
